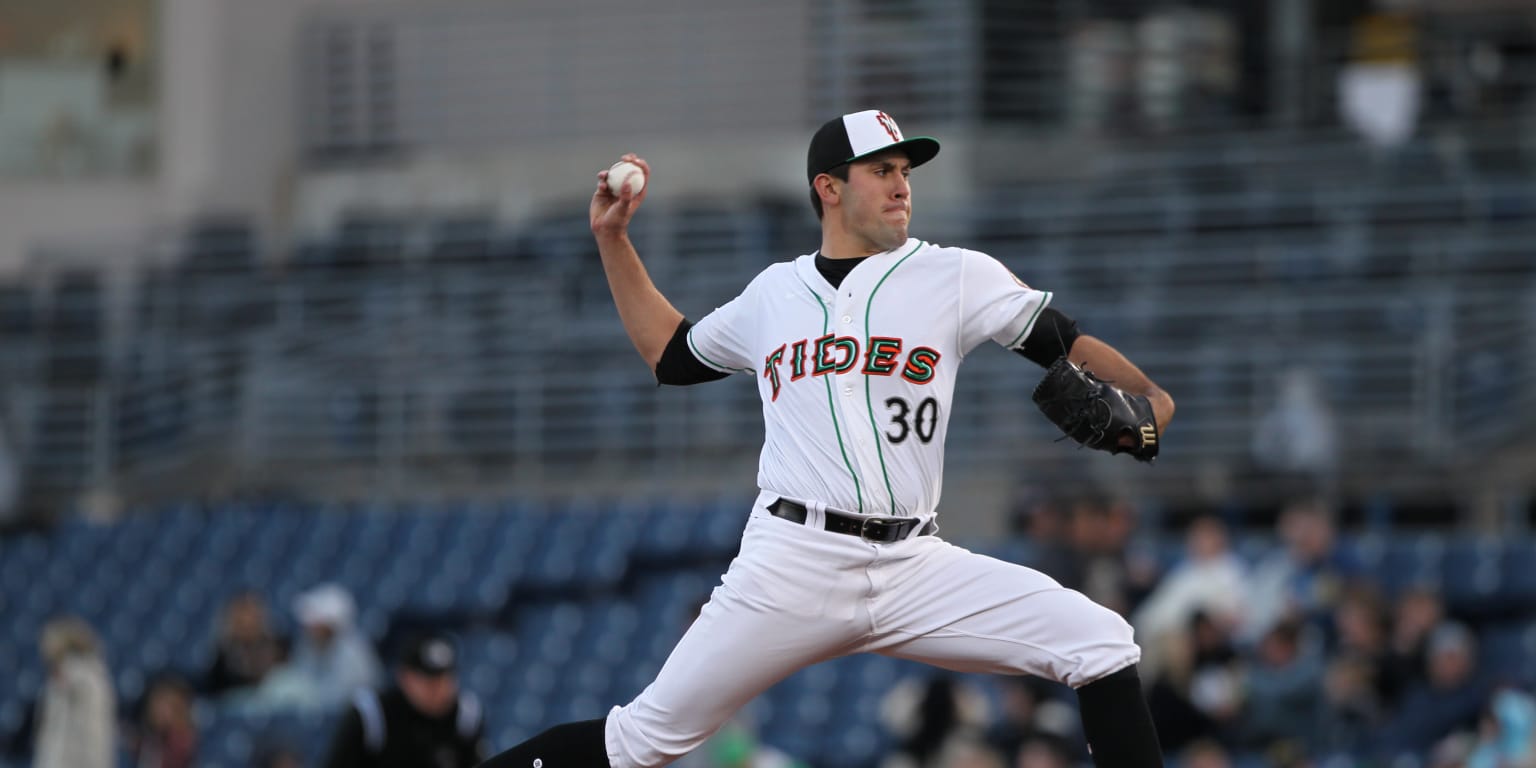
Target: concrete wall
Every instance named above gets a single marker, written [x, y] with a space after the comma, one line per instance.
[226, 116]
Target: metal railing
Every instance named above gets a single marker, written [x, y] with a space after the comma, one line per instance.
[391, 77]
[495, 356]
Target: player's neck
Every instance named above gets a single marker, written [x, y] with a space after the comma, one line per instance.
[842, 245]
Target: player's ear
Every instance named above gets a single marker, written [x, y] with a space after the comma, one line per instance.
[828, 188]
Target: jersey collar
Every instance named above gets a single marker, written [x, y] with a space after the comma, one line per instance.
[805, 267]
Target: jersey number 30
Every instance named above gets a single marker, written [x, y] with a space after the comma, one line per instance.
[925, 419]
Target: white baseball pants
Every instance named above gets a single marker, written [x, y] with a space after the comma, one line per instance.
[796, 595]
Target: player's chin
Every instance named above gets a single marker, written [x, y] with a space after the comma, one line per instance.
[893, 234]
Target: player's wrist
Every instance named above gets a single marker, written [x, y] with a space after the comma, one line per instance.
[617, 237]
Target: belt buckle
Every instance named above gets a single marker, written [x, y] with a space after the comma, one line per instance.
[881, 528]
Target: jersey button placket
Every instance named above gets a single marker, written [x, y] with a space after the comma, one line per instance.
[854, 415]
[847, 330]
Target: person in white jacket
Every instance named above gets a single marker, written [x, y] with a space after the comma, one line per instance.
[76, 725]
[1211, 579]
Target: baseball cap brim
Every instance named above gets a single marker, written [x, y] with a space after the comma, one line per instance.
[919, 150]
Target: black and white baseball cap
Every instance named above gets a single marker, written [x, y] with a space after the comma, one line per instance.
[430, 654]
[860, 134]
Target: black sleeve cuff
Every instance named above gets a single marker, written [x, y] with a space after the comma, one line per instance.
[1050, 339]
[678, 366]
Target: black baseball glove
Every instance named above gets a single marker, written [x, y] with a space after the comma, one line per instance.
[1096, 414]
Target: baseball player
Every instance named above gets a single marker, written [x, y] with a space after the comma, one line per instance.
[855, 349]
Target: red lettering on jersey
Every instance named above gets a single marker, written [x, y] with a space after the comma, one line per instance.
[797, 362]
[847, 345]
[880, 357]
[920, 365]
[771, 370]
[889, 125]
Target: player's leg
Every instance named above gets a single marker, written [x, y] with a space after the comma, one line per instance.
[569, 745]
[958, 610]
[779, 608]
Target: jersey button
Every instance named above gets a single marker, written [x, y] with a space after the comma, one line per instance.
[847, 319]
[848, 391]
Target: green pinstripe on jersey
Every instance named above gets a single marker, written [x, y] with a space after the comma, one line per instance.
[868, 398]
[826, 322]
[1031, 322]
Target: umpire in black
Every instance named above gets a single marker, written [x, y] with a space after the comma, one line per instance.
[422, 721]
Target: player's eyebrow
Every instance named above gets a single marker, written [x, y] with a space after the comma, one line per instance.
[891, 164]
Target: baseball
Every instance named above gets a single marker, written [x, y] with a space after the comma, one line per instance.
[626, 173]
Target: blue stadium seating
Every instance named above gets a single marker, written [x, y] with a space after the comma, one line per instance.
[563, 609]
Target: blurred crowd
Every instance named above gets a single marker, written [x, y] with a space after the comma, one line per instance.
[1377, 67]
[329, 667]
[1292, 653]
[1297, 657]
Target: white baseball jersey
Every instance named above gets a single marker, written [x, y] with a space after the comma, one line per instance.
[857, 381]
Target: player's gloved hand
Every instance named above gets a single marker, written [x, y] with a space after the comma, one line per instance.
[1096, 414]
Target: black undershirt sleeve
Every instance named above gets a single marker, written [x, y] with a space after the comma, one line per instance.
[1050, 339]
[678, 366]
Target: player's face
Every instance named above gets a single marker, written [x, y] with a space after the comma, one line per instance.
[877, 204]
[431, 695]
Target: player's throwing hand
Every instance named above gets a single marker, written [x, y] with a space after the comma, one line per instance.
[611, 211]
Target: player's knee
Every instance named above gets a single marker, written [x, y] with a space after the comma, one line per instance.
[1109, 647]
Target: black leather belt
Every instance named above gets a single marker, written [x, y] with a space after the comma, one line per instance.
[878, 529]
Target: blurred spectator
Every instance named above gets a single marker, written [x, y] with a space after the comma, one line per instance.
[1282, 686]
[1186, 72]
[18, 743]
[1296, 441]
[79, 708]
[1170, 696]
[1100, 64]
[167, 735]
[1205, 754]
[735, 746]
[1360, 639]
[1350, 707]
[1305, 579]
[968, 753]
[246, 648]
[1029, 713]
[1210, 579]
[423, 720]
[925, 715]
[1041, 520]
[1359, 623]
[1040, 752]
[1215, 687]
[1450, 699]
[10, 479]
[331, 660]
[1419, 611]
[1490, 76]
[279, 756]
[1452, 752]
[1380, 91]
[1107, 568]
[1507, 734]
